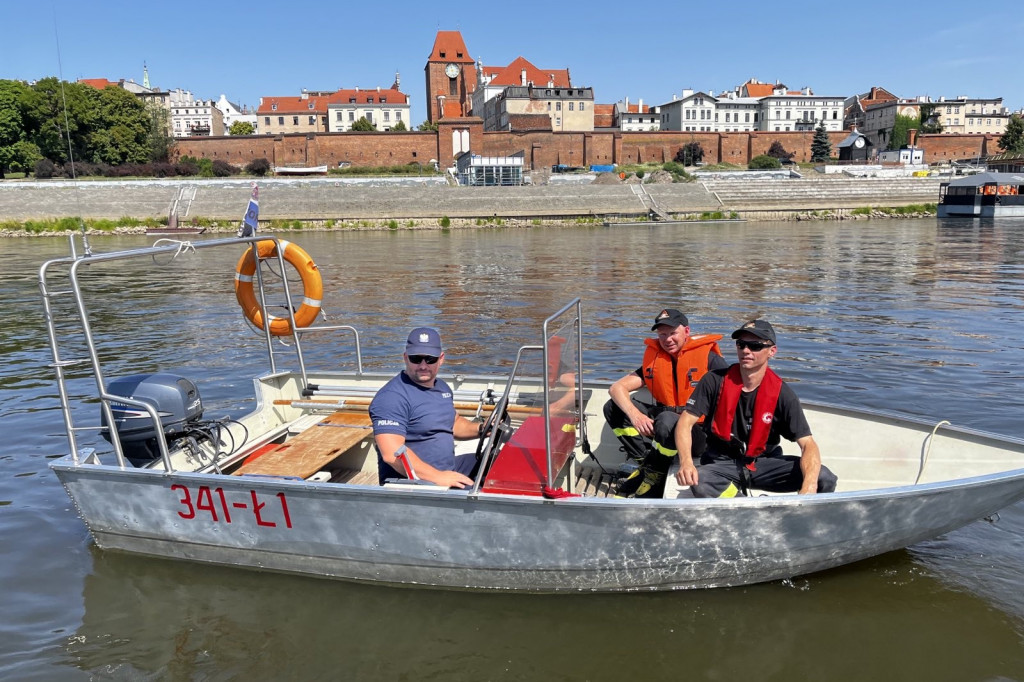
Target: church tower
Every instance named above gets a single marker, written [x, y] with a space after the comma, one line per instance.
[451, 77]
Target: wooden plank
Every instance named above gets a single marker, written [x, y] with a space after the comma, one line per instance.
[314, 448]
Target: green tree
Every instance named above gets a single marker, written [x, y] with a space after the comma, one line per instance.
[929, 120]
[12, 124]
[1013, 137]
[399, 127]
[821, 146]
[120, 129]
[427, 125]
[764, 162]
[241, 128]
[899, 136]
[363, 126]
[690, 154]
[49, 123]
[160, 140]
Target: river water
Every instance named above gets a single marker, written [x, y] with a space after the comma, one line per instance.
[912, 316]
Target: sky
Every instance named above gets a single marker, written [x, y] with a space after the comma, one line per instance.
[649, 50]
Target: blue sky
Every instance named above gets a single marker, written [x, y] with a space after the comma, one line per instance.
[647, 50]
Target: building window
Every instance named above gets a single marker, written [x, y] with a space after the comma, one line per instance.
[266, 120]
[312, 120]
[338, 116]
[398, 115]
[369, 100]
[280, 120]
[746, 117]
[583, 105]
[558, 106]
[387, 115]
[558, 121]
[727, 117]
[273, 107]
[310, 105]
[351, 115]
[570, 106]
[295, 120]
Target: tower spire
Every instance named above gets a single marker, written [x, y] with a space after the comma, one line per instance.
[145, 76]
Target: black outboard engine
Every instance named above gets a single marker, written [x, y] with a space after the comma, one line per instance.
[176, 400]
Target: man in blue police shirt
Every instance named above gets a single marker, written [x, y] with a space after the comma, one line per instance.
[414, 420]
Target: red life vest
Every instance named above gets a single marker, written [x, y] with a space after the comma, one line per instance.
[764, 410]
[691, 365]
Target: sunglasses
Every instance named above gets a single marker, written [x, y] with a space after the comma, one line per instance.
[753, 345]
[429, 359]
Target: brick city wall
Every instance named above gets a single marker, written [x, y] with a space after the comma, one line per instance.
[540, 148]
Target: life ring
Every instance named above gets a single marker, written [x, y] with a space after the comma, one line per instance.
[312, 286]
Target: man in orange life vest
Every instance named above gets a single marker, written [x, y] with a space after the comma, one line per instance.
[747, 410]
[672, 365]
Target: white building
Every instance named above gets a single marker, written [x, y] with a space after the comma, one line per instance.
[191, 117]
[636, 117]
[741, 111]
[384, 108]
[232, 113]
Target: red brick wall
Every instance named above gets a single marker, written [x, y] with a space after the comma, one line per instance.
[541, 148]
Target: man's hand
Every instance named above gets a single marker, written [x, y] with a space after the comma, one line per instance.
[642, 423]
[687, 474]
[451, 479]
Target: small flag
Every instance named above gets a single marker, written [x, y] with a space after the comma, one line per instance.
[251, 221]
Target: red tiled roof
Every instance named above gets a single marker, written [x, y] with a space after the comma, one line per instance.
[98, 83]
[522, 122]
[292, 105]
[392, 95]
[513, 74]
[449, 47]
[758, 89]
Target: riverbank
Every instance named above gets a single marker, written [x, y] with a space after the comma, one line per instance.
[329, 203]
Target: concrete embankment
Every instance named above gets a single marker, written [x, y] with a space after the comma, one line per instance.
[323, 199]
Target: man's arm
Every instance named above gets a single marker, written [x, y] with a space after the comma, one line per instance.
[388, 443]
[810, 464]
[619, 393]
[687, 474]
[464, 429]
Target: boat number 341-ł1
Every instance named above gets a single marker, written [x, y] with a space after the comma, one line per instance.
[269, 512]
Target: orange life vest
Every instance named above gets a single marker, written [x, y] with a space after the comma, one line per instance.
[764, 411]
[691, 365]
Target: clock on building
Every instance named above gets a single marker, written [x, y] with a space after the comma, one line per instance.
[452, 70]
[859, 142]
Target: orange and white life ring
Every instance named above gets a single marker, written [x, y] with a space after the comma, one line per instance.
[312, 286]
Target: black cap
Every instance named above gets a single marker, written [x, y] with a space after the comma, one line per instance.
[671, 317]
[423, 341]
[762, 329]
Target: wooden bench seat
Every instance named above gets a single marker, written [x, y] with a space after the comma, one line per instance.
[313, 449]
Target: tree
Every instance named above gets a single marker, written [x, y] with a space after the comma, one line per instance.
[900, 135]
[160, 140]
[363, 126]
[1013, 137]
[45, 115]
[821, 146]
[777, 151]
[120, 128]
[427, 125]
[764, 162]
[241, 128]
[399, 127]
[12, 124]
[690, 154]
[929, 120]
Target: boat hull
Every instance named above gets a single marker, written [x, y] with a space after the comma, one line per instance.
[448, 539]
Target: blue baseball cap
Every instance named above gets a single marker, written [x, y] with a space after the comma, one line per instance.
[423, 341]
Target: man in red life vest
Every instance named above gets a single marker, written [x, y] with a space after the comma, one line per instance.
[672, 365]
[747, 409]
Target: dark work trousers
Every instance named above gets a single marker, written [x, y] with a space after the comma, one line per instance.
[723, 476]
[638, 446]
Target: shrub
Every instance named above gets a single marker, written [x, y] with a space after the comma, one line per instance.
[223, 169]
[446, 221]
[258, 167]
[44, 168]
[764, 162]
[205, 168]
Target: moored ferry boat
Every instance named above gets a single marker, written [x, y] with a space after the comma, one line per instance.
[985, 195]
[291, 484]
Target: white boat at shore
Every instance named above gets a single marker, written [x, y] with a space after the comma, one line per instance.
[291, 486]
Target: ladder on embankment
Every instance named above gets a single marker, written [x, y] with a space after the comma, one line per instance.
[648, 202]
[181, 205]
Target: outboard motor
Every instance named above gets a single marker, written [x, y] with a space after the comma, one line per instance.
[176, 400]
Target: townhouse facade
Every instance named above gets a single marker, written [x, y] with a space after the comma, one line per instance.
[306, 113]
[492, 80]
[630, 117]
[744, 109]
[191, 117]
[232, 113]
[568, 109]
[383, 108]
